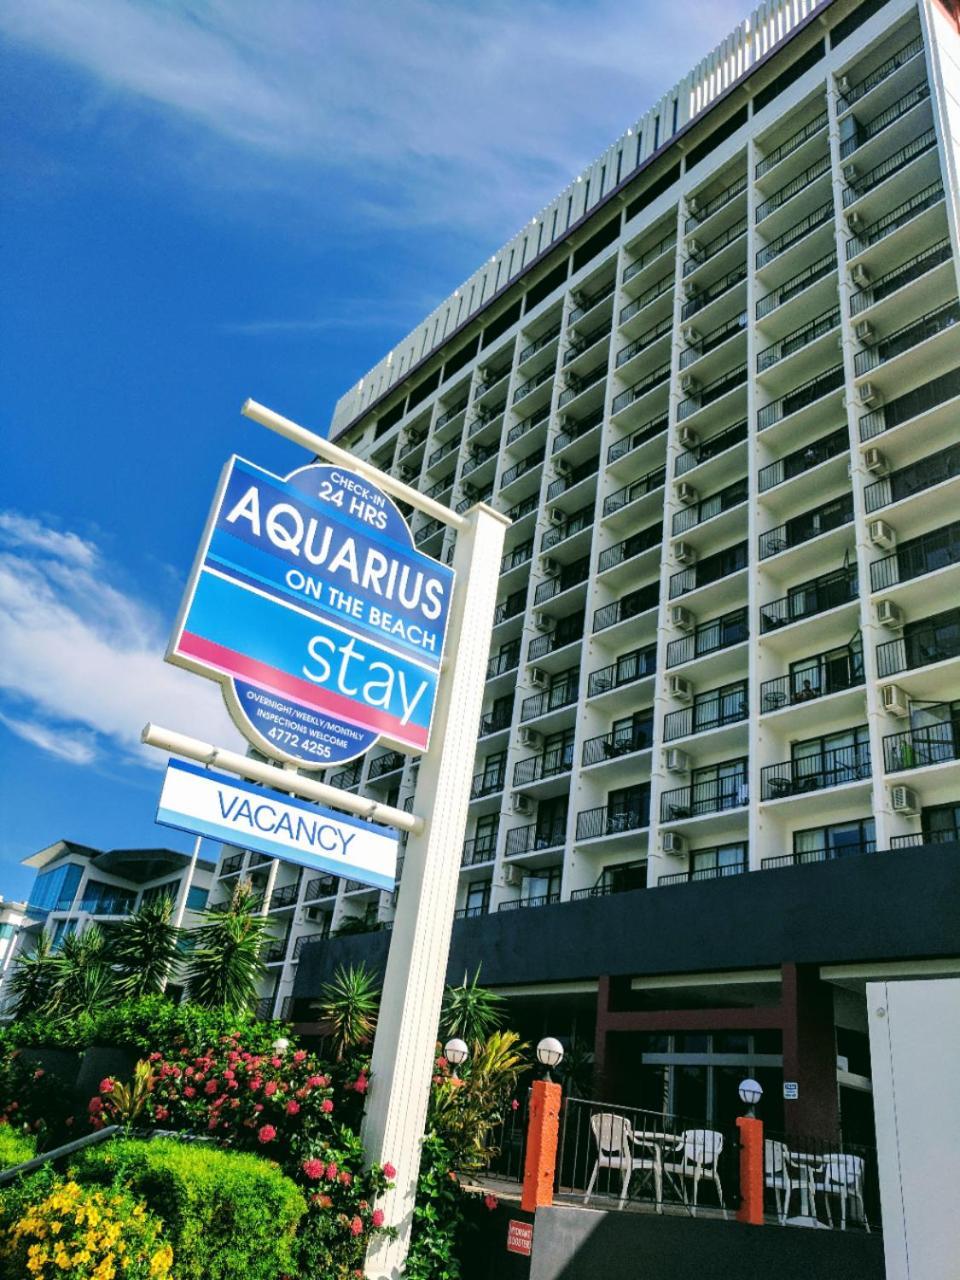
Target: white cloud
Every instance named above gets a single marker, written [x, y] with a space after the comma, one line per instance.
[70, 745]
[87, 657]
[23, 531]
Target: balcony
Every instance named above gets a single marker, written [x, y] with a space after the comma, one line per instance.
[444, 451]
[575, 429]
[716, 795]
[920, 400]
[921, 748]
[485, 416]
[856, 91]
[635, 545]
[815, 773]
[570, 575]
[582, 342]
[799, 231]
[807, 393]
[657, 251]
[797, 284]
[710, 569]
[587, 301]
[471, 913]
[495, 721]
[798, 339]
[658, 290]
[390, 762]
[520, 555]
[639, 489]
[490, 381]
[567, 631]
[815, 677]
[824, 853]
[479, 849]
[508, 659]
[629, 606]
[810, 598]
[804, 179]
[348, 777]
[227, 867]
[943, 835]
[538, 344]
[478, 455]
[613, 820]
[451, 413]
[546, 764]
[905, 339]
[705, 297]
[487, 783]
[862, 133]
[899, 217]
[715, 390]
[649, 431]
[807, 525]
[624, 741]
[540, 900]
[710, 637]
[707, 252]
[795, 141]
[573, 477]
[563, 693]
[905, 482]
[521, 468]
[660, 377]
[707, 714]
[724, 500]
[320, 887]
[427, 531]
[531, 384]
[574, 523]
[931, 551]
[275, 952]
[886, 169]
[514, 605]
[524, 507]
[696, 874]
[720, 443]
[525, 425]
[704, 211]
[644, 341]
[802, 460]
[702, 346]
[934, 640]
[618, 879]
[535, 837]
[629, 668]
[903, 274]
[286, 896]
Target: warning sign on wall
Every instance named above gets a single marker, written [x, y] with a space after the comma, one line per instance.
[520, 1237]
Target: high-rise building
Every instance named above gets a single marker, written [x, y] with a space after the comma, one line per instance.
[715, 384]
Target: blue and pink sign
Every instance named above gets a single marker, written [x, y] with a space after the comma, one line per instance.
[312, 606]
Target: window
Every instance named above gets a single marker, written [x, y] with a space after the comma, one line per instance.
[6, 930]
[840, 668]
[478, 897]
[542, 883]
[485, 833]
[167, 890]
[628, 808]
[940, 822]
[632, 733]
[816, 844]
[100, 898]
[558, 751]
[833, 759]
[724, 860]
[725, 705]
[56, 889]
[197, 898]
[551, 825]
[719, 786]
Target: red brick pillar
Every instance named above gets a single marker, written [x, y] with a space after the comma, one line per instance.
[543, 1131]
[751, 1170]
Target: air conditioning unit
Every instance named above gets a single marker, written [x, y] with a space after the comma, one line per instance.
[865, 333]
[673, 843]
[682, 618]
[881, 535]
[407, 474]
[843, 84]
[577, 297]
[875, 461]
[512, 876]
[894, 700]
[565, 420]
[854, 221]
[681, 689]
[542, 621]
[689, 385]
[686, 493]
[316, 914]
[690, 290]
[850, 173]
[684, 553]
[563, 469]
[904, 800]
[393, 898]
[530, 738]
[695, 250]
[692, 337]
[693, 204]
[889, 615]
[483, 373]
[860, 276]
[676, 761]
[688, 437]
[556, 518]
[520, 803]
[550, 567]
[539, 678]
[868, 395]
[469, 490]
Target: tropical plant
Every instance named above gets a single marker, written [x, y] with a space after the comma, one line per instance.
[465, 1111]
[348, 1005]
[31, 983]
[82, 976]
[128, 1101]
[143, 948]
[224, 964]
[470, 1011]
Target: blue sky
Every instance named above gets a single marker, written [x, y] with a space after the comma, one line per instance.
[213, 200]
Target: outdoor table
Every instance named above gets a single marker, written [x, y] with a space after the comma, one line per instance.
[808, 1165]
[657, 1142]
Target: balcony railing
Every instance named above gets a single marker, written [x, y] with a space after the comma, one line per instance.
[943, 835]
[823, 853]
[487, 783]
[538, 344]
[514, 604]
[697, 874]
[645, 340]
[438, 455]
[320, 887]
[710, 637]
[811, 524]
[895, 219]
[705, 211]
[582, 342]
[796, 284]
[719, 287]
[348, 777]
[540, 900]
[639, 389]
[387, 763]
[493, 377]
[427, 531]
[574, 523]
[590, 300]
[795, 234]
[909, 336]
[807, 393]
[716, 795]
[630, 606]
[934, 550]
[887, 168]
[520, 429]
[705, 716]
[920, 400]
[701, 346]
[285, 896]
[723, 500]
[531, 384]
[714, 246]
[815, 773]
[936, 641]
[791, 144]
[506, 660]
[519, 555]
[521, 468]
[801, 460]
[809, 175]
[571, 575]
[910, 50]
[442, 485]
[798, 339]
[619, 742]
[864, 132]
[810, 598]
[547, 764]
[901, 275]
[613, 820]
[710, 569]
[567, 631]
[720, 443]
[657, 251]
[535, 837]
[811, 682]
[627, 669]
[638, 489]
[485, 415]
[227, 867]
[563, 693]
[479, 849]
[571, 478]
[646, 298]
[274, 952]
[903, 483]
[575, 428]
[496, 721]
[714, 390]
[471, 913]
[451, 413]
[649, 431]
[635, 545]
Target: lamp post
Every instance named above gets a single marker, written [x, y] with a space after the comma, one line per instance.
[751, 1154]
[751, 1091]
[543, 1129]
[549, 1054]
[456, 1053]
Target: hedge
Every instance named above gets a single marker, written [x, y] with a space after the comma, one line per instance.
[227, 1214]
[15, 1148]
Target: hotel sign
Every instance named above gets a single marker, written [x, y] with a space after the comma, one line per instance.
[311, 605]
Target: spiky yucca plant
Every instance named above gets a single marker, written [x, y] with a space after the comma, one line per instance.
[143, 948]
[31, 982]
[224, 964]
[348, 1005]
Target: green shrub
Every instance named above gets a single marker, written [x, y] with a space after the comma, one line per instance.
[15, 1148]
[227, 1214]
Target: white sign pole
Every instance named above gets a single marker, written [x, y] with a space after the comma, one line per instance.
[404, 1046]
[182, 896]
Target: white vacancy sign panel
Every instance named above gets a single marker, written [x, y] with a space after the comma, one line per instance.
[211, 804]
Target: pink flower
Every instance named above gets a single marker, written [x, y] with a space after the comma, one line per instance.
[313, 1169]
[292, 1107]
[189, 1091]
[331, 1172]
[389, 1171]
[315, 1082]
[95, 1107]
[276, 1062]
[361, 1083]
[491, 1202]
[40, 1073]
[161, 1113]
[228, 1074]
[326, 1106]
[106, 1086]
[155, 1056]
[266, 1133]
[515, 1105]
[356, 1226]
[346, 1178]
[377, 1218]
[270, 1088]
[442, 1063]
[210, 1086]
[259, 1107]
[300, 1055]
[255, 1084]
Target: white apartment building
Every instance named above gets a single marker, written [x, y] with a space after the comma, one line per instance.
[716, 386]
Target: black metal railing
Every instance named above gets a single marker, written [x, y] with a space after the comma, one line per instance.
[930, 551]
[706, 714]
[637, 543]
[920, 400]
[479, 849]
[803, 459]
[704, 297]
[228, 866]
[855, 91]
[901, 275]
[507, 659]
[567, 631]
[590, 300]
[539, 900]
[723, 500]
[798, 339]
[942, 835]
[832, 768]
[807, 393]
[710, 569]
[710, 250]
[479, 454]
[495, 722]
[511, 607]
[887, 168]
[563, 693]
[714, 205]
[485, 415]
[792, 188]
[320, 887]
[637, 489]
[917, 748]
[934, 640]
[645, 340]
[822, 853]
[438, 455]
[387, 763]
[695, 875]
[274, 952]
[624, 741]
[717, 444]
[895, 219]
[471, 913]
[521, 468]
[710, 637]
[629, 606]
[520, 429]
[810, 524]
[799, 231]
[712, 391]
[442, 485]
[582, 342]
[570, 575]
[538, 344]
[574, 523]
[811, 682]
[619, 879]
[906, 481]
[574, 428]
[909, 336]
[791, 144]
[715, 795]
[869, 129]
[488, 782]
[810, 598]
[613, 820]
[627, 669]
[658, 378]
[649, 431]
[451, 413]
[700, 346]
[656, 251]
[531, 384]
[536, 836]
[571, 478]
[646, 298]
[285, 896]
[520, 554]
[796, 284]
[348, 777]
[490, 381]
[546, 764]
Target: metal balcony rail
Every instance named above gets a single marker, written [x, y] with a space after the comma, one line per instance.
[540, 900]
[320, 887]
[227, 867]
[619, 742]
[573, 478]
[715, 795]
[518, 556]
[442, 486]
[562, 693]
[695, 875]
[796, 284]
[710, 341]
[637, 543]
[920, 400]
[823, 853]
[506, 660]
[630, 606]
[936, 641]
[798, 339]
[702, 298]
[645, 299]
[479, 849]
[714, 390]
[723, 440]
[810, 598]
[583, 342]
[478, 455]
[638, 489]
[706, 715]
[892, 64]
[801, 460]
[538, 344]
[810, 683]
[911, 335]
[413, 441]
[451, 446]
[389, 762]
[658, 378]
[355, 886]
[943, 835]
[716, 203]
[567, 631]
[579, 383]
[531, 384]
[808, 392]
[521, 428]
[471, 913]
[815, 773]
[589, 301]
[509, 608]
[901, 275]
[796, 233]
[275, 952]
[119, 904]
[906, 481]
[495, 722]
[710, 569]
[524, 507]
[656, 251]
[710, 637]
[487, 783]
[522, 467]
[427, 531]
[723, 500]
[645, 340]
[713, 247]
[893, 164]
[574, 523]
[793, 187]
[571, 575]
[536, 836]
[791, 144]
[628, 668]
[485, 416]
[864, 132]
[649, 431]
[348, 777]
[895, 219]
[619, 879]
[451, 413]
[263, 1008]
[614, 820]
[574, 428]
[546, 764]
[494, 376]
[930, 551]
[810, 524]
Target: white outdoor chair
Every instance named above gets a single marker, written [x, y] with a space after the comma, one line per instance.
[842, 1177]
[701, 1150]
[614, 1139]
[776, 1174]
